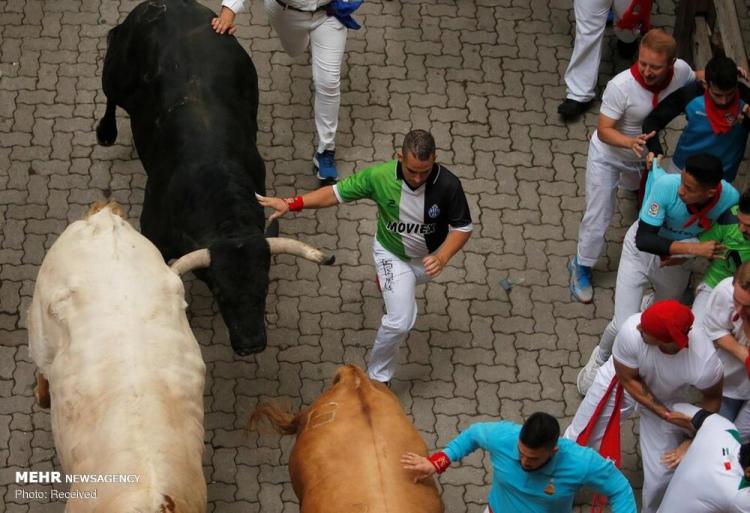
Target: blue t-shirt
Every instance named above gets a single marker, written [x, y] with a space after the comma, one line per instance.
[549, 489]
[663, 207]
[698, 137]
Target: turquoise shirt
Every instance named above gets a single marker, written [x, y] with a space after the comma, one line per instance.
[663, 207]
[515, 490]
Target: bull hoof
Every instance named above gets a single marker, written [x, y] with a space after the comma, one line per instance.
[106, 133]
[247, 351]
[329, 260]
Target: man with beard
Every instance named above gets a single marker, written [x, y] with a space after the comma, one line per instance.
[676, 209]
[731, 230]
[535, 471]
[617, 148]
[655, 358]
[714, 115]
[423, 221]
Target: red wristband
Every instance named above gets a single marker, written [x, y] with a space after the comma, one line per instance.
[295, 204]
[440, 461]
[747, 366]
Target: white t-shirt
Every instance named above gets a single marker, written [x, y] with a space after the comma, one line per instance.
[717, 323]
[625, 100]
[741, 502]
[702, 482]
[666, 375]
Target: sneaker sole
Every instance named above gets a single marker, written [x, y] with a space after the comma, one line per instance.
[324, 180]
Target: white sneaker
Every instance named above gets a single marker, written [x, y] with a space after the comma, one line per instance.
[588, 373]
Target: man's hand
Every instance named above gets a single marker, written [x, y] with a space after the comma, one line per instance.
[433, 265]
[742, 73]
[680, 420]
[280, 206]
[650, 159]
[225, 21]
[638, 143]
[671, 459]
[709, 249]
[420, 464]
[745, 112]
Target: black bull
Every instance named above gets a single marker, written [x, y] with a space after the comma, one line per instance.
[192, 97]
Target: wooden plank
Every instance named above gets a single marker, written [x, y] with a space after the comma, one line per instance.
[702, 51]
[729, 27]
[684, 25]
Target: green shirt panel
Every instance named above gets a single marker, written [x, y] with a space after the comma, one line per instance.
[380, 184]
[736, 247]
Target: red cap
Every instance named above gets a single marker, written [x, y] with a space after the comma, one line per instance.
[668, 321]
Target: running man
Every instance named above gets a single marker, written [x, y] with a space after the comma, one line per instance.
[423, 220]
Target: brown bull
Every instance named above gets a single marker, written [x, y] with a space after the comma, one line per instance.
[349, 442]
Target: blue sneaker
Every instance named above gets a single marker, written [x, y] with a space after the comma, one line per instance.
[325, 165]
[580, 281]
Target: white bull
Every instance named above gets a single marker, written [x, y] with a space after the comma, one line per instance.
[108, 330]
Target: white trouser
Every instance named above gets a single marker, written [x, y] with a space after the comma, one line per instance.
[742, 422]
[603, 175]
[586, 410]
[591, 18]
[398, 282]
[702, 293]
[327, 39]
[657, 436]
[638, 268]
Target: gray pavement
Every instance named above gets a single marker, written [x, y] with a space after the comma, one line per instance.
[484, 76]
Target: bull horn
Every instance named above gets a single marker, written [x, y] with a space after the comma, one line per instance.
[198, 259]
[283, 245]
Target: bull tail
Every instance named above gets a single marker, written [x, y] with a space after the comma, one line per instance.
[100, 205]
[279, 419]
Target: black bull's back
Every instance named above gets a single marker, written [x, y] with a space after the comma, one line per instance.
[192, 97]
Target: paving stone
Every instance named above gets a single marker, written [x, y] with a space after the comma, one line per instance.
[485, 78]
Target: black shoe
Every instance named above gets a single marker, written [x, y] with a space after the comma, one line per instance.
[627, 50]
[571, 108]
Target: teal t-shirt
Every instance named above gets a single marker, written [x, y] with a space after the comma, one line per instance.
[663, 207]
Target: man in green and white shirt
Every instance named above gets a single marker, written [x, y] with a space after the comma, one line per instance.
[711, 475]
[423, 220]
[732, 230]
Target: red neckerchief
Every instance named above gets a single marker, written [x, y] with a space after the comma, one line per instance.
[699, 214]
[722, 120]
[653, 89]
[610, 446]
[638, 14]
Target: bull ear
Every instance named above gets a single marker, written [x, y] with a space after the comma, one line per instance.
[198, 259]
[282, 245]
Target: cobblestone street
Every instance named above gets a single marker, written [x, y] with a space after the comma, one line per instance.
[485, 76]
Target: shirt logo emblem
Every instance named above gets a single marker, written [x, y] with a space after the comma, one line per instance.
[653, 210]
[433, 212]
